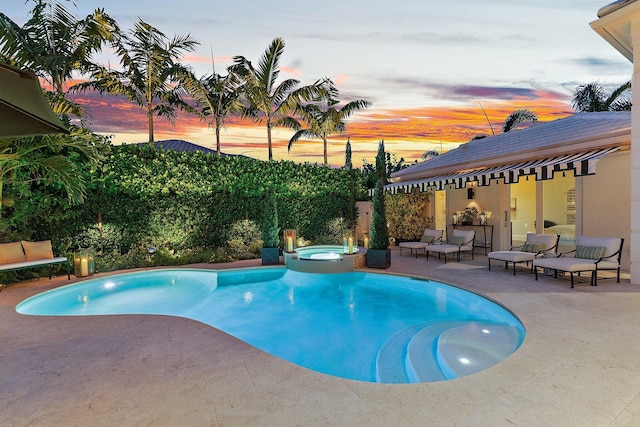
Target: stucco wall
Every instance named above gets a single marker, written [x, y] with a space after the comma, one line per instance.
[606, 206]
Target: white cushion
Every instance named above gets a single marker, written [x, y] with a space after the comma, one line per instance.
[566, 264]
[512, 256]
[549, 240]
[611, 243]
[448, 249]
[412, 245]
[437, 234]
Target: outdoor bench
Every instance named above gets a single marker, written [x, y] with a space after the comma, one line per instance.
[25, 255]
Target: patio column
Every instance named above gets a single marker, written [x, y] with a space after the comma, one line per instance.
[634, 244]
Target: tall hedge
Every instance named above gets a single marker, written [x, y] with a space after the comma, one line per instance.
[178, 200]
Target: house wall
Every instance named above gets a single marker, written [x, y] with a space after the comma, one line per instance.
[605, 205]
[486, 199]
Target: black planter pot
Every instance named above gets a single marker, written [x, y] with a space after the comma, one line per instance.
[378, 258]
[270, 256]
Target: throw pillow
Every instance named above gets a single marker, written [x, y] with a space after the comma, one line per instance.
[37, 250]
[457, 240]
[11, 252]
[533, 247]
[590, 252]
[426, 239]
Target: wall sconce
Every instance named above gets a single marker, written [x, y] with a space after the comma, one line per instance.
[470, 193]
[84, 262]
[290, 240]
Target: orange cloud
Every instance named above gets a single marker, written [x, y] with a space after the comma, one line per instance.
[407, 132]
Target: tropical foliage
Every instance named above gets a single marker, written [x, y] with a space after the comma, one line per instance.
[592, 97]
[267, 101]
[151, 72]
[324, 118]
[219, 97]
[522, 115]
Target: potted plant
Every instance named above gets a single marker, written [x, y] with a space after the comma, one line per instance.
[270, 233]
[469, 216]
[379, 254]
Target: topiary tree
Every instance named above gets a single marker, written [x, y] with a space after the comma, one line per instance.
[270, 228]
[379, 231]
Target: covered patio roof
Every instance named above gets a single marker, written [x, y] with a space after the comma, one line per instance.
[571, 144]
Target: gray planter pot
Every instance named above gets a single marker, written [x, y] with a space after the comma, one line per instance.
[270, 256]
[378, 258]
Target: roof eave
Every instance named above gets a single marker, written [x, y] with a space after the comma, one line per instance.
[614, 25]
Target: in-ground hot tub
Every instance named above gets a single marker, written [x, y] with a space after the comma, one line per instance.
[324, 259]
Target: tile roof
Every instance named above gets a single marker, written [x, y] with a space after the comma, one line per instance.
[579, 132]
[180, 145]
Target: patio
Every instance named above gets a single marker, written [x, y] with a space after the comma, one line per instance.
[578, 366]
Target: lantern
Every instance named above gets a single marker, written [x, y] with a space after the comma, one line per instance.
[84, 262]
[289, 240]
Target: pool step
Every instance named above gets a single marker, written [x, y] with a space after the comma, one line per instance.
[421, 356]
[390, 367]
[473, 347]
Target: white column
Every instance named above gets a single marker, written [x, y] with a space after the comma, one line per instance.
[634, 244]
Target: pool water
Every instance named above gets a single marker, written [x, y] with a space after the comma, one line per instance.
[361, 326]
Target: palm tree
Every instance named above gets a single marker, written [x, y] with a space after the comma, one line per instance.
[591, 97]
[325, 119]
[429, 154]
[219, 96]
[55, 44]
[151, 74]
[522, 115]
[267, 101]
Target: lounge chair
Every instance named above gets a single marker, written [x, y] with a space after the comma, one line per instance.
[535, 246]
[591, 254]
[429, 237]
[460, 241]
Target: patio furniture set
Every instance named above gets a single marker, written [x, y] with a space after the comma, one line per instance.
[539, 251]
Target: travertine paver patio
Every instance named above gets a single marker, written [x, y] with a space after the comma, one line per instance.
[579, 366]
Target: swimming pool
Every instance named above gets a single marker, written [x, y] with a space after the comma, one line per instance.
[356, 325]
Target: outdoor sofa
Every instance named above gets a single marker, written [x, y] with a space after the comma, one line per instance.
[429, 237]
[591, 254]
[535, 246]
[25, 255]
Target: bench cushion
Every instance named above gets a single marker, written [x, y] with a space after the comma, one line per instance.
[412, 245]
[37, 250]
[28, 264]
[569, 264]
[11, 252]
[512, 256]
[448, 248]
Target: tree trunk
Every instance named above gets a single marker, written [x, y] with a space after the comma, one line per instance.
[150, 117]
[269, 141]
[218, 140]
[325, 151]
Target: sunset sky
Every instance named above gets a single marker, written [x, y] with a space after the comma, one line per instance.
[426, 66]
